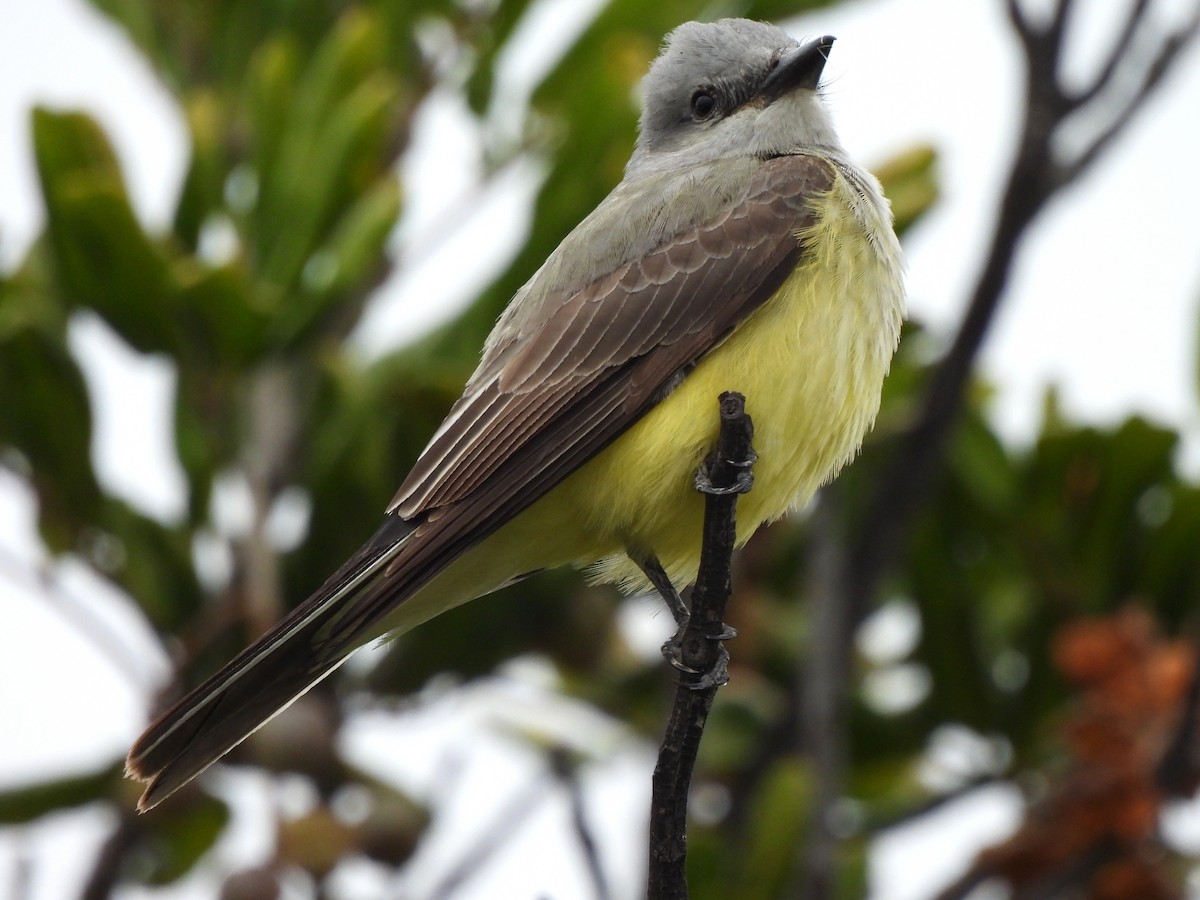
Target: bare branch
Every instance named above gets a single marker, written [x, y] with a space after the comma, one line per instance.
[933, 804]
[564, 767]
[1168, 52]
[1104, 77]
[826, 680]
[726, 473]
[504, 826]
[110, 862]
[1021, 25]
[1058, 24]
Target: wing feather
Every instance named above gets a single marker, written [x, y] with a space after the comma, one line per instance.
[596, 338]
[568, 369]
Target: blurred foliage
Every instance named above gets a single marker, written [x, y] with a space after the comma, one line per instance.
[297, 112]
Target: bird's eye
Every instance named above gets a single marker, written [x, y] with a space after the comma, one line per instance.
[704, 104]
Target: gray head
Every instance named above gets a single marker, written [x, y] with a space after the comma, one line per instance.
[731, 88]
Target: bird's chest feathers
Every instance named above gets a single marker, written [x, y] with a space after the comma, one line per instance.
[811, 362]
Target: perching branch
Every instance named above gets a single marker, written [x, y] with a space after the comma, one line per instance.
[725, 474]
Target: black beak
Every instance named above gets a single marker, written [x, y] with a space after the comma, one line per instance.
[800, 67]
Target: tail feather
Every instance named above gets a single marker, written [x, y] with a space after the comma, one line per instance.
[263, 679]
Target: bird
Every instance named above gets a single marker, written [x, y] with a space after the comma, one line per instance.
[742, 250]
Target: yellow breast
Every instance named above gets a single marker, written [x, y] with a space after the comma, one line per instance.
[810, 363]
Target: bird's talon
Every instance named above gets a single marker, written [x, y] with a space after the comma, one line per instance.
[717, 675]
[743, 484]
[672, 651]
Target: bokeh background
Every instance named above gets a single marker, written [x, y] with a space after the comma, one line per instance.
[248, 253]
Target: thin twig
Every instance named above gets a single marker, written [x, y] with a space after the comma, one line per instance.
[1019, 22]
[1103, 78]
[1058, 25]
[700, 651]
[933, 804]
[825, 681]
[502, 829]
[110, 863]
[1165, 55]
[563, 766]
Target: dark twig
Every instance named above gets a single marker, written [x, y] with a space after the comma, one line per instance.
[701, 651]
[933, 804]
[1103, 78]
[1064, 882]
[567, 772]
[21, 882]
[1153, 72]
[106, 872]
[516, 812]
[824, 681]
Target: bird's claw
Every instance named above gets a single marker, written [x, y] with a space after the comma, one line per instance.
[742, 485]
[698, 680]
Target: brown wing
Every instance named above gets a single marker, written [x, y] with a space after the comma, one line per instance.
[548, 399]
[602, 354]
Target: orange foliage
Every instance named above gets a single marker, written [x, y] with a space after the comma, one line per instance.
[1096, 826]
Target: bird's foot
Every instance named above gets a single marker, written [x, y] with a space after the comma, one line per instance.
[743, 484]
[683, 643]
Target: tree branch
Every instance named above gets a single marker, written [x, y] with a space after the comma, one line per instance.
[513, 815]
[566, 769]
[1137, 13]
[701, 651]
[76, 613]
[1164, 56]
[825, 682]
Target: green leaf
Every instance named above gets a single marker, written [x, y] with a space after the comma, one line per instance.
[47, 416]
[218, 313]
[318, 175]
[270, 97]
[910, 182]
[203, 186]
[103, 258]
[27, 804]
[176, 836]
[354, 255]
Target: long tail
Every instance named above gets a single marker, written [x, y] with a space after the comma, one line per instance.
[266, 677]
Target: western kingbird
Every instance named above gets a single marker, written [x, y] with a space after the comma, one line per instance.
[742, 250]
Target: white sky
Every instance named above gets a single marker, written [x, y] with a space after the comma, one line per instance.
[1103, 303]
